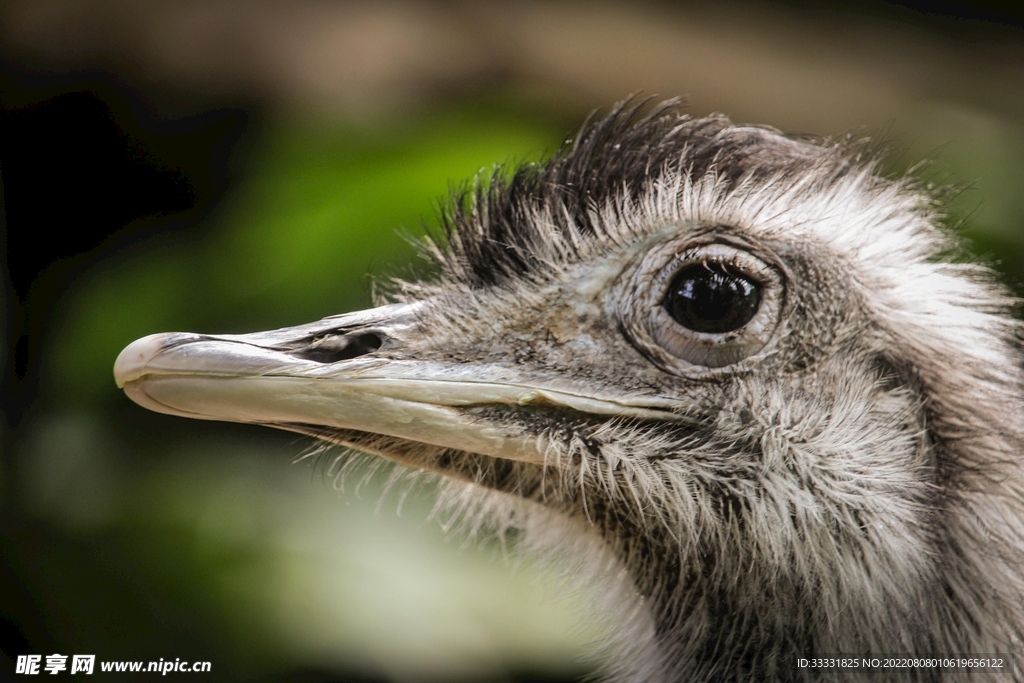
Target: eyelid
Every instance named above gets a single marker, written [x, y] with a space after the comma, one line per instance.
[746, 264]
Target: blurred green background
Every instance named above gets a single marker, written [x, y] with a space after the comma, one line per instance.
[227, 167]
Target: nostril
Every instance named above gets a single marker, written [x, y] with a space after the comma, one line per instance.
[334, 348]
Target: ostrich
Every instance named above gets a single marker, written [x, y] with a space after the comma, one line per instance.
[731, 377]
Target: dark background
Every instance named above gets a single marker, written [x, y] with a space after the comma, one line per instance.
[225, 167]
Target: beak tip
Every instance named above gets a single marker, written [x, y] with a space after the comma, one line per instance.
[134, 360]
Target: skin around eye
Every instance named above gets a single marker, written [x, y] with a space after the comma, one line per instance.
[693, 307]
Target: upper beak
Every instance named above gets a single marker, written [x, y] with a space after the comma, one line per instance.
[348, 372]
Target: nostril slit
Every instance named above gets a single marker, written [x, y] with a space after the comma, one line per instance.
[332, 349]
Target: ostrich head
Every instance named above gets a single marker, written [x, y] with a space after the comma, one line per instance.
[730, 375]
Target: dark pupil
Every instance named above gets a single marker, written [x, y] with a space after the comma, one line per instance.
[711, 297]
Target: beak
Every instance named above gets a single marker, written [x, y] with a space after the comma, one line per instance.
[355, 372]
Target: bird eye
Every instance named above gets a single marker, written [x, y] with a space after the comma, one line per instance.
[712, 298]
[693, 307]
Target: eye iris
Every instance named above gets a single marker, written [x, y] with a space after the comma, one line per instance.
[712, 298]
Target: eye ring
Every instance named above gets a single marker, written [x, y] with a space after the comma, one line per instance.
[666, 330]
